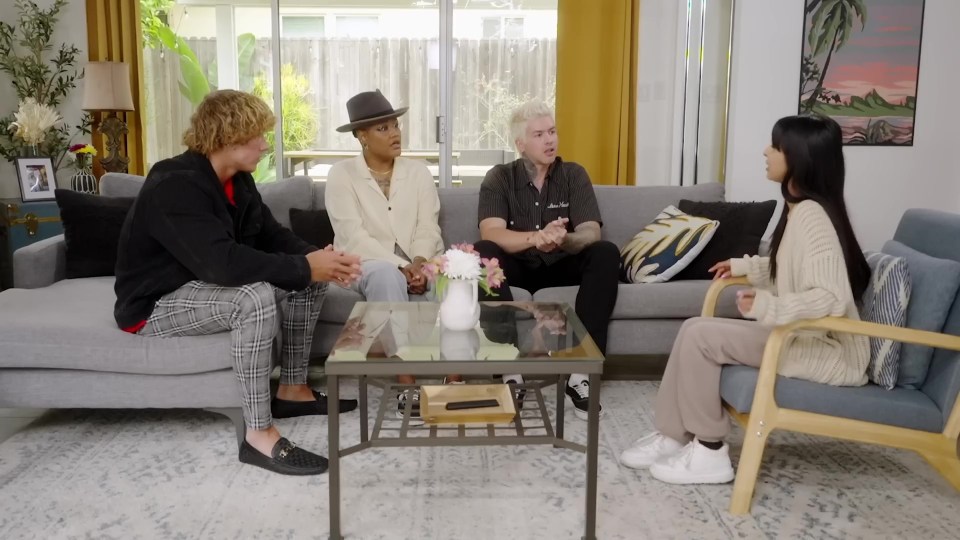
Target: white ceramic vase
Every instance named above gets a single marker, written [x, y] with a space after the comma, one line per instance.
[460, 309]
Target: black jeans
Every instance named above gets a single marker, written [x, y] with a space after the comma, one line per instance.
[596, 270]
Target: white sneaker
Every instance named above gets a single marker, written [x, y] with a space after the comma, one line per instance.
[695, 464]
[646, 450]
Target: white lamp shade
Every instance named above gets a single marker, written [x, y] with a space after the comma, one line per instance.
[107, 87]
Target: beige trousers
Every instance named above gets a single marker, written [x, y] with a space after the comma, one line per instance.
[688, 403]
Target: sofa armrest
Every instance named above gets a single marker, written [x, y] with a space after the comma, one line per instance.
[40, 264]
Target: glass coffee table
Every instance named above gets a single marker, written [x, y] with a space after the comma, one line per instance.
[544, 341]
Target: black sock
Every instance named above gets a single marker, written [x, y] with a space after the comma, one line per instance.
[713, 445]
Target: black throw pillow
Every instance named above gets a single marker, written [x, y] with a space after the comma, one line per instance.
[91, 228]
[312, 226]
[741, 229]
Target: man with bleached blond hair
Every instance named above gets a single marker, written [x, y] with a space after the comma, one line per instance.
[539, 217]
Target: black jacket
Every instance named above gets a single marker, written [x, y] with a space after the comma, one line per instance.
[182, 228]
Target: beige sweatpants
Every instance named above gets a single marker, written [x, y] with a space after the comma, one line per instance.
[688, 403]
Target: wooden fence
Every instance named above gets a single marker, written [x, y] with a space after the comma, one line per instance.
[491, 77]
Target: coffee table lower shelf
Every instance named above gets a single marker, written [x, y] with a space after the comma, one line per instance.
[531, 426]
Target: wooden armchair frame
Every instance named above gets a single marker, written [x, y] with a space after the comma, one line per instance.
[939, 449]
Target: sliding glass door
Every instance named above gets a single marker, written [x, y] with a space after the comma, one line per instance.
[504, 53]
[331, 50]
[460, 66]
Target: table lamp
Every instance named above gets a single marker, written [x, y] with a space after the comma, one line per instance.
[107, 89]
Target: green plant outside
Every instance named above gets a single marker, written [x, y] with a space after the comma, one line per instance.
[299, 117]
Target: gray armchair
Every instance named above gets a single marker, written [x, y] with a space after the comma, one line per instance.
[926, 420]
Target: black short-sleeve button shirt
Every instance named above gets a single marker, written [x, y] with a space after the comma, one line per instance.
[508, 193]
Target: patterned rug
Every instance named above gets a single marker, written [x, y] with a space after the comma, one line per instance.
[174, 474]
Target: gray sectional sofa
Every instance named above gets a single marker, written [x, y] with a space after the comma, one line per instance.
[61, 348]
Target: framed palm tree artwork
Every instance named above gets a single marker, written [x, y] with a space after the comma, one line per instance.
[860, 65]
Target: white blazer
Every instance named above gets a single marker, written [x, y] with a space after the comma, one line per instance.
[368, 224]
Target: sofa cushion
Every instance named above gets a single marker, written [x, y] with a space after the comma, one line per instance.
[458, 215]
[626, 209]
[885, 302]
[665, 246]
[741, 229]
[935, 284]
[898, 407]
[670, 300]
[281, 196]
[120, 184]
[91, 229]
[312, 226]
[70, 325]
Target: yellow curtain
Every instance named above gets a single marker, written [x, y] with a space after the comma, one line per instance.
[597, 86]
[113, 34]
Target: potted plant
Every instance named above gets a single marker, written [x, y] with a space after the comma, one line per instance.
[25, 47]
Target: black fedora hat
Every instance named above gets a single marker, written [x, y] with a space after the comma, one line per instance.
[368, 108]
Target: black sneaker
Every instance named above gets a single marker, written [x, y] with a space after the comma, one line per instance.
[579, 394]
[414, 396]
[519, 392]
[285, 408]
[286, 458]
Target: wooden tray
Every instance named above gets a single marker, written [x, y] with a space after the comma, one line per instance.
[434, 398]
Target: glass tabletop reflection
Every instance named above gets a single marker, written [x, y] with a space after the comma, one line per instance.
[507, 331]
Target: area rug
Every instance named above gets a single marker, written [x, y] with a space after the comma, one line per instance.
[174, 474]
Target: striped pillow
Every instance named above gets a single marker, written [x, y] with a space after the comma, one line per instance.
[885, 302]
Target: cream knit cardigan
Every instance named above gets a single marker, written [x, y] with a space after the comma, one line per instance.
[811, 282]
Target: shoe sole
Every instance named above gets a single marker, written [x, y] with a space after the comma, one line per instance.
[626, 462]
[634, 465]
[583, 415]
[716, 478]
[267, 464]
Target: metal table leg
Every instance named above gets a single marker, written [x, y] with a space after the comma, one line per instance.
[560, 406]
[363, 408]
[593, 436]
[333, 392]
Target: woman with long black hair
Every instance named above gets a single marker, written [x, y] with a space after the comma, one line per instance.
[815, 269]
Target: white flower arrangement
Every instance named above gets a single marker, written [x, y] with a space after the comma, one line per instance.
[463, 262]
[33, 120]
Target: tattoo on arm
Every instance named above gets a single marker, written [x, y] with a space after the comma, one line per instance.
[584, 235]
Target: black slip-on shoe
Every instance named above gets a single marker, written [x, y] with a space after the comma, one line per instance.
[287, 458]
[285, 408]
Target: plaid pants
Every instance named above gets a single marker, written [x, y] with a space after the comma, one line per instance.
[250, 314]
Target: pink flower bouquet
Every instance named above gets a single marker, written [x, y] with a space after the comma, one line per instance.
[461, 261]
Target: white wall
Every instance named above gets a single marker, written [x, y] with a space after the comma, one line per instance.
[71, 29]
[681, 112]
[657, 91]
[881, 182]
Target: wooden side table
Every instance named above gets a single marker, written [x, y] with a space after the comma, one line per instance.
[22, 224]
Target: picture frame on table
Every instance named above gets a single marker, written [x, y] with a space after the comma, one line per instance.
[36, 178]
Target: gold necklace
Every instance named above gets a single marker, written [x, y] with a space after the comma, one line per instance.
[380, 172]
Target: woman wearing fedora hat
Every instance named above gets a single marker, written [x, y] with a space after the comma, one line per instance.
[384, 208]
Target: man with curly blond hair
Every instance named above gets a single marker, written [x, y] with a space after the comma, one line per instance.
[200, 253]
